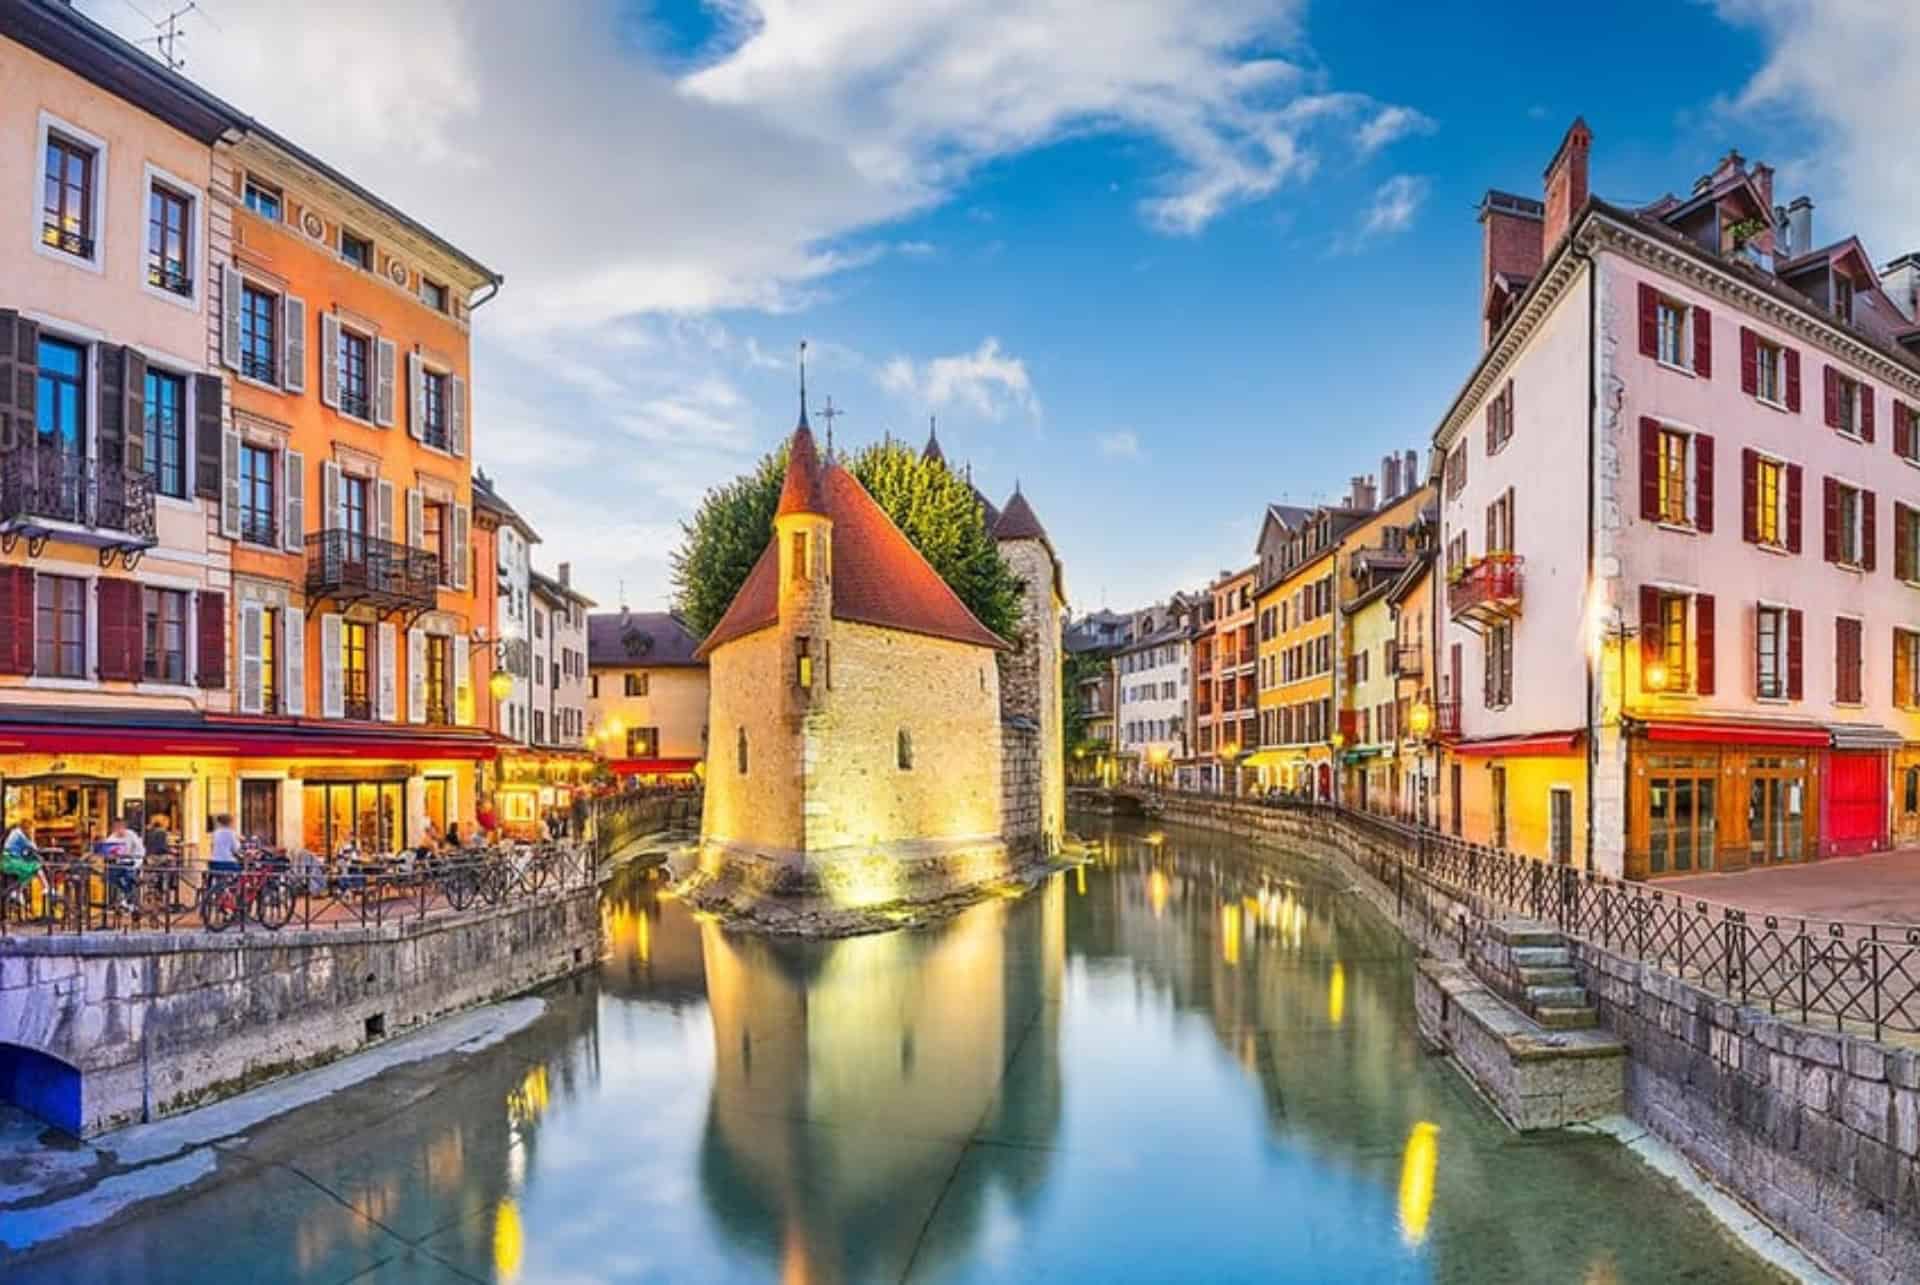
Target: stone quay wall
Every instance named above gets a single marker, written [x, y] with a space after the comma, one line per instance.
[1816, 1130]
[148, 1024]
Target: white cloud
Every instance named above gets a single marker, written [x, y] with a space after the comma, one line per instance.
[1122, 445]
[1389, 125]
[986, 381]
[1392, 210]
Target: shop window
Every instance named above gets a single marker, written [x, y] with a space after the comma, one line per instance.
[369, 814]
[1776, 808]
[1681, 813]
[260, 811]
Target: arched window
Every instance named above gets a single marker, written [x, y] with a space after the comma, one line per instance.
[903, 750]
[740, 750]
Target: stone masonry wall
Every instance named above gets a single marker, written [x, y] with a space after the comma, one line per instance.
[159, 1023]
[1021, 786]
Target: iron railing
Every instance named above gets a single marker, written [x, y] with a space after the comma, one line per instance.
[348, 564]
[41, 483]
[1489, 587]
[65, 238]
[1864, 976]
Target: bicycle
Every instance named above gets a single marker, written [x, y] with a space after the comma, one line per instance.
[257, 891]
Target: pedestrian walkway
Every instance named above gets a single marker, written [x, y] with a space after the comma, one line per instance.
[1879, 889]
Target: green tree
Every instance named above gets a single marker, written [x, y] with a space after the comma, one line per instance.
[932, 506]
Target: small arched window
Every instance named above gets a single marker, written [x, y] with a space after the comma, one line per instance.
[740, 750]
[903, 750]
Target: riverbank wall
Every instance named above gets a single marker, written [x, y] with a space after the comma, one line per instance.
[1818, 1131]
[103, 1030]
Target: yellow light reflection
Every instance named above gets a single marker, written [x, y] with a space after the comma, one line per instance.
[1230, 934]
[1337, 994]
[1416, 1182]
[1080, 881]
[642, 937]
[529, 1102]
[509, 1240]
[1157, 892]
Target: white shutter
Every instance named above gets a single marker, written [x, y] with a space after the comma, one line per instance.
[293, 643]
[293, 344]
[416, 676]
[386, 510]
[330, 491]
[293, 528]
[457, 415]
[383, 398]
[230, 485]
[330, 360]
[230, 291]
[252, 623]
[462, 520]
[416, 397]
[416, 519]
[389, 668]
[462, 681]
[333, 676]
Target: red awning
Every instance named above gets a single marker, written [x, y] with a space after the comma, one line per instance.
[653, 767]
[1714, 733]
[1519, 746]
[277, 740]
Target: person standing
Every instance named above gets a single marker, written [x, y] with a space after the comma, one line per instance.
[225, 854]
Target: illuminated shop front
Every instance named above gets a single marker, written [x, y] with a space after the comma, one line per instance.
[532, 782]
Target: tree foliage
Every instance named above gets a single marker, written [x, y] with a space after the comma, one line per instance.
[932, 506]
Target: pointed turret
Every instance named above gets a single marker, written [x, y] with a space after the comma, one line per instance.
[1019, 522]
[804, 491]
[932, 450]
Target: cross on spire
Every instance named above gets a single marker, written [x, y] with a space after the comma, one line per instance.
[830, 413]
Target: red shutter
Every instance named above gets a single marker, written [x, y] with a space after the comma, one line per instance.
[1702, 343]
[1830, 385]
[1749, 362]
[1796, 684]
[1902, 445]
[1792, 356]
[1702, 482]
[1866, 412]
[1794, 477]
[119, 628]
[1651, 644]
[1649, 468]
[1703, 643]
[16, 620]
[1869, 531]
[212, 638]
[1750, 495]
[1830, 502]
[1493, 414]
[1902, 562]
[1649, 321]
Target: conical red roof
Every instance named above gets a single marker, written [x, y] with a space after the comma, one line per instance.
[1019, 522]
[803, 491]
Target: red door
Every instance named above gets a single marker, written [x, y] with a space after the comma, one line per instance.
[1855, 808]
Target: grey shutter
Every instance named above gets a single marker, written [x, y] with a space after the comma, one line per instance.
[416, 519]
[329, 516]
[133, 399]
[230, 485]
[462, 681]
[457, 415]
[416, 676]
[462, 520]
[383, 398]
[110, 408]
[333, 682]
[293, 523]
[385, 531]
[389, 708]
[416, 397]
[19, 375]
[208, 442]
[293, 344]
[294, 645]
[329, 360]
[230, 296]
[252, 626]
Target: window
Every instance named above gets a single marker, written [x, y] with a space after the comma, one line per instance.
[259, 467]
[1499, 790]
[798, 556]
[355, 512]
[1769, 502]
[903, 750]
[1500, 524]
[356, 250]
[259, 334]
[269, 660]
[1770, 660]
[1906, 668]
[643, 742]
[1500, 419]
[439, 679]
[1673, 641]
[1849, 405]
[1846, 661]
[1673, 476]
[66, 221]
[433, 538]
[1906, 543]
[166, 431]
[354, 397]
[593, 686]
[1672, 321]
[263, 200]
[1906, 432]
[1843, 297]
[740, 750]
[61, 395]
[434, 295]
[1497, 685]
[1769, 373]
[166, 635]
[433, 402]
[169, 231]
[1849, 525]
[60, 626]
[356, 668]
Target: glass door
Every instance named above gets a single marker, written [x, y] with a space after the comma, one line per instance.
[1777, 810]
[1682, 793]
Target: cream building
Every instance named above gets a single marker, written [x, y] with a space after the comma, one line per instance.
[647, 695]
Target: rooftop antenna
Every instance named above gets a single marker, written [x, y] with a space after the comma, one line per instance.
[803, 383]
[623, 593]
[830, 414]
[167, 35]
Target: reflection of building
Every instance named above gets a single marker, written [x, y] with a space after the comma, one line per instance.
[647, 697]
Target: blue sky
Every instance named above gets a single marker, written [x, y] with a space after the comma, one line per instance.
[1161, 264]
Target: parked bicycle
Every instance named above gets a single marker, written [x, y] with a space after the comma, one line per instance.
[260, 890]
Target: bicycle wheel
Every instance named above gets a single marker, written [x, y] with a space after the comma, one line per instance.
[458, 885]
[219, 906]
[273, 904]
[493, 882]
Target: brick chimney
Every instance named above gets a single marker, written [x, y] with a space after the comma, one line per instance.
[1566, 185]
[1361, 493]
[1509, 247]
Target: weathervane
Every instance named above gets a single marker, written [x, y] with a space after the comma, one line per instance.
[829, 413]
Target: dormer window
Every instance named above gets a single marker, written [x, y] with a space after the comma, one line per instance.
[1843, 297]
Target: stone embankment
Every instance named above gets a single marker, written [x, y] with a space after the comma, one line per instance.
[1816, 1130]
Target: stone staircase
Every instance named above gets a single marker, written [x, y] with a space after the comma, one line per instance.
[1530, 965]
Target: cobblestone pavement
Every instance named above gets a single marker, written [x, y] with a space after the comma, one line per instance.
[1877, 889]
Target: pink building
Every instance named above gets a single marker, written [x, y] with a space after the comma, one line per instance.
[1680, 507]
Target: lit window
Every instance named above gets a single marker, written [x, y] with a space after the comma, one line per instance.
[169, 233]
[1674, 451]
[1768, 491]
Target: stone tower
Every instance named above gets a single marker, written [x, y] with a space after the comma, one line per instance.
[803, 534]
[1034, 791]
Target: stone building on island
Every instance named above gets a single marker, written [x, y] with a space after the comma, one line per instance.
[857, 754]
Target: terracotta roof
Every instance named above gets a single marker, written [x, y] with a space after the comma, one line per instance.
[879, 578]
[1018, 522]
[802, 492]
[643, 639]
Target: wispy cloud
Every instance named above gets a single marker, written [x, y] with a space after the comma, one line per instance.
[1122, 444]
[1390, 125]
[1392, 210]
[987, 381]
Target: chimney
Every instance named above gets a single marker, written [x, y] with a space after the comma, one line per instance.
[566, 575]
[1360, 493]
[1389, 478]
[1901, 282]
[1762, 176]
[1509, 246]
[1410, 470]
[1566, 183]
[1796, 227]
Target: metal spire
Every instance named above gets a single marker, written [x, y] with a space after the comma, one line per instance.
[803, 383]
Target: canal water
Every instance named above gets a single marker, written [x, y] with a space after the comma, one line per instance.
[1180, 1063]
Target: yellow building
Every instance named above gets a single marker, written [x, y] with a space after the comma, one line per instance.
[647, 695]
[1297, 609]
[1373, 558]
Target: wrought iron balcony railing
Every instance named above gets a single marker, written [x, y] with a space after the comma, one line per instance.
[356, 404]
[104, 503]
[1487, 590]
[1446, 720]
[169, 276]
[255, 366]
[351, 567]
[62, 238]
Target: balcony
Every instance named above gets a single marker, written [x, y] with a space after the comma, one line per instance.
[1446, 721]
[351, 568]
[1405, 660]
[1487, 591]
[67, 239]
[48, 492]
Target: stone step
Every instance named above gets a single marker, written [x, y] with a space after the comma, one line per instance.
[1531, 977]
[1567, 1019]
[1539, 997]
[1525, 932]
[1542, 957]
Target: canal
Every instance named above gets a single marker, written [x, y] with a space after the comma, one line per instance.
[1182, 1062]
